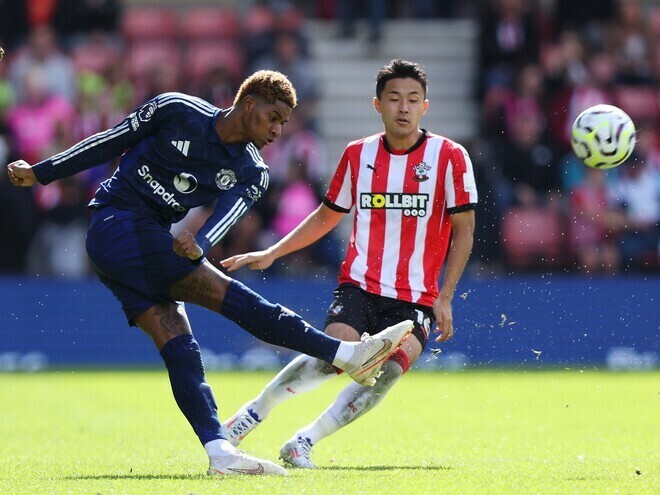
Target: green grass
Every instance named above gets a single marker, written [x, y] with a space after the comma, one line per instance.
[558, 432]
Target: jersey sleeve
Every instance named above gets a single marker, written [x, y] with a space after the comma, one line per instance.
[460, 186]
[231, 206]
[104, 146]
[340, 195]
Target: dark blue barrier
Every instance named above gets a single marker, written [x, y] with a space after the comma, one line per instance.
[535, 321]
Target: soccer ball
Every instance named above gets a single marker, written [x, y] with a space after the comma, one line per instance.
[603, 136]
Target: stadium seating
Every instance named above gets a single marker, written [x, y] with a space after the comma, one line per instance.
[201, 56]
[149, 23]
[94, 57]
[210, 24]
[533, 237]
[143, 56]
[259, 19]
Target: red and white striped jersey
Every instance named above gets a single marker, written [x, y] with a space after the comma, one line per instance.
[401, 229]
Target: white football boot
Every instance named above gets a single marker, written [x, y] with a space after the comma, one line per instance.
[241, 463]
[374, 350]
[296, 452]
[239, 425]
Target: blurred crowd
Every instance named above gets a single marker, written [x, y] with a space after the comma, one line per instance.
[77, 67]
[541, 64]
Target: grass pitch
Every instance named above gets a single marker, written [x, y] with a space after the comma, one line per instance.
[559, 432]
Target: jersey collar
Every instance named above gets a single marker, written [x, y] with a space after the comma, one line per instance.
[419, 142]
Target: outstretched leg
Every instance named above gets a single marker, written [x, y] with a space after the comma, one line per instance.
[278, 325]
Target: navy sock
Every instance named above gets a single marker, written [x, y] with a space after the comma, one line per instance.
[191, 392]
[275, 324]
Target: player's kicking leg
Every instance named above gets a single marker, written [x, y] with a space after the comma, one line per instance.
[278, 325]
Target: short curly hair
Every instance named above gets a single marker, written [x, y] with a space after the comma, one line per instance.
[270, 85]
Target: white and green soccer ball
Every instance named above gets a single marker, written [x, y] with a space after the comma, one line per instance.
[603, 136]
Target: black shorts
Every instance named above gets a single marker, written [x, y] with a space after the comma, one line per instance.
[372, 313]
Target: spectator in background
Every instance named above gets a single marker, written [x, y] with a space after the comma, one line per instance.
[631, 43]
[76, 19]
[43, 53]
[503, 103]
[297, 146]
[40, 124]
[298, 173]
[596, 88]
[509, 39]
[564, 63]
[350, 10]
[588, 18]
[636, 193]
[288, 57]
[159, 78]
[19, 218]
[218, 87]
[58, 246]
[592, 223]
[528, 162]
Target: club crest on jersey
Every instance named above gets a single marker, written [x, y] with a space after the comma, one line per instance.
[412, 205]
[146, 112]
[336, 309]
[225, 179]
[421, 170]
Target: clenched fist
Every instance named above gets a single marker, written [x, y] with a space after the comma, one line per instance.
[21, 174]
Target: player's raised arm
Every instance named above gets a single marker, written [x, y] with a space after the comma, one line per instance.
[103, 146]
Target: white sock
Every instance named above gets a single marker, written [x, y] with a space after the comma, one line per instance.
[344, 355]
[323, 426]
[351, 403]
[219, 447]
[302, 374]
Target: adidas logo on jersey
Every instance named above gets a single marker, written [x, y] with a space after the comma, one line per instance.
[182, 146]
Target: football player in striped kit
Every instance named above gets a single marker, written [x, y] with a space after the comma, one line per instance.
[414, 195]
[179, 152]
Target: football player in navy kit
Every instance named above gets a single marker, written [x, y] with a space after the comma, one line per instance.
[178, 152]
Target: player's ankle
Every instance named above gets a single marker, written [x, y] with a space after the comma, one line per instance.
[219, 447]
[343, 357]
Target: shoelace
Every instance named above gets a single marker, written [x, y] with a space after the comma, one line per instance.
[242, 425]
[367, 340]
[305, 447]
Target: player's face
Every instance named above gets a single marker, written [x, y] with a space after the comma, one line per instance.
[265, 121]
[401, 107]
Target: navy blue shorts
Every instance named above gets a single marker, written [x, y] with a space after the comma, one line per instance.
[133, 256]
[372, 313]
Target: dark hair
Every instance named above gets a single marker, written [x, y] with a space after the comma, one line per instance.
[270, 85]
[399, 68]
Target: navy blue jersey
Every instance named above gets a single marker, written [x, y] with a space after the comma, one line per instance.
[172, 160]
